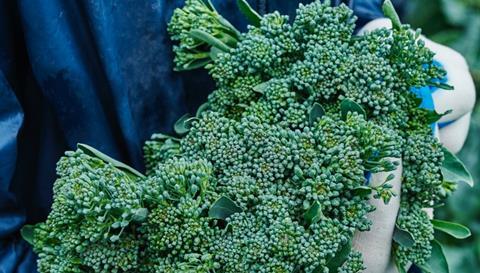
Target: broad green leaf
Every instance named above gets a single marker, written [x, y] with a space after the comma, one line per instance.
[182, 126]
[214, 51]
[316, 112]
[340, 257]
[362, 191]
[313, 214]
[403, 237]
[204, 107]
[117, 164]
[433, 116]
[209, 39]
[252, 16]
[437, 262]
[453, 169]
[453, 229]
[27, 233]
[389, 12]
[229, 28]
[223, 208]
[350, 106]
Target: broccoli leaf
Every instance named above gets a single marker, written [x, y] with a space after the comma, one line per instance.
[437, 262]
[117, 164]
[209, 39]
[182, 126]
[202, 108]
[453, 229]
[316, 112]
[362, 191]
[350, 106]
[313, 214]
[433, 116]
[389, 12]
[223, 208]
[403, 237]
[252, 16]
[27, 233]
[340, 257]
[453, 169]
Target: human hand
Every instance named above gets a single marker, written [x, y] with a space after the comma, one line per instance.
[451, 130]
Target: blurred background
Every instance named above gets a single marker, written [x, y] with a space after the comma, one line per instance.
[456, 23]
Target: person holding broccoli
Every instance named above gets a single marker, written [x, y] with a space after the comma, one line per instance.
[104, 76]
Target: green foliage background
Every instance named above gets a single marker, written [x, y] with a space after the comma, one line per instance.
[456, 23]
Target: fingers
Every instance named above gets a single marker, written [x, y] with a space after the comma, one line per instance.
[453, 135]
[376, 244]
[461, 100]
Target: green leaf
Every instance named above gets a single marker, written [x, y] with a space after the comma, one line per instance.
[340, 257]
[260, 88]
[209, 39]
[403, 237]
[252, 16]
[27, 233]
[313, 214]
[316, 112]
[389, 12]
[453, 169]
[453, 229]
[223, 208]
[182, 126]
[362, 191]
[433, 116]
[204, 107]
[350, 106]
[214, 51]
[437, 262]
[117, 164]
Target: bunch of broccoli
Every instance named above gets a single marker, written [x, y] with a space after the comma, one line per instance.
[272, 174]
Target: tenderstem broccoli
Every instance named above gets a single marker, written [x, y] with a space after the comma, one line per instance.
[272, 173]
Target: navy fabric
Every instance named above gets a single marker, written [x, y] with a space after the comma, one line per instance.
[97, 72]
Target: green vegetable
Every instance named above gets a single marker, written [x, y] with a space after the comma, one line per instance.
[437, 262]
[456, 230]
[270, 176]
[403, 238]
[223, 208]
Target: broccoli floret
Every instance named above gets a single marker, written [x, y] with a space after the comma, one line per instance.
[353, 264]
[95, 213]
[414, 219]
[199, 15]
